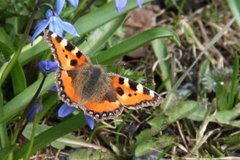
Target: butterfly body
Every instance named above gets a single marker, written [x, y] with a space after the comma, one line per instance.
[87, 86]
[90, 82]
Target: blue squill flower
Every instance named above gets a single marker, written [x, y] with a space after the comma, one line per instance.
[56, 25]
[60, 4]
[53, 88]
[121, 4]
[66, 110]
[35, 109]
[47, 67]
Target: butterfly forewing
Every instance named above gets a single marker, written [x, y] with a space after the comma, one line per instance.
[132, 94]
[67, 55]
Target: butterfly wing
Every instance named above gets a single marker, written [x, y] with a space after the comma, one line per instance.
[67, 55]
[133, 95]
[108, 107]
[69, 58]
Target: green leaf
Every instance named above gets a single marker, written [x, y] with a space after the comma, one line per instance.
[225, 116]
[43, 139]
[133, 43]
[19, 82]
[60, 143]
[234, 82]
[159, 122]
[232, 139]
[204, 69]
[221, 96]
[6, 45]
[87, 154]
[184, 109]
[19, 102]
[161, 53]
[99, 36]
[152, 145]
[199, 114]
[235, 8]
[4, 152]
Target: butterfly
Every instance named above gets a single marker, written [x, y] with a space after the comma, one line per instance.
[87, 86]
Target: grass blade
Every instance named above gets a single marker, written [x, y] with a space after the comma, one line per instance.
[124, 48]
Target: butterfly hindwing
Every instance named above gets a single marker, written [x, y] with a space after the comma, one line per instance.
[103, 110]
[66, 90]
[133, 95]
[67, 55]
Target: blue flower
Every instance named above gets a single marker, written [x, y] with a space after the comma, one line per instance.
[53, 88]
[66, 110]
[90, 121]
[60, 4]
[47, 67]
[35, 109]
[56, 25]
[121, 4]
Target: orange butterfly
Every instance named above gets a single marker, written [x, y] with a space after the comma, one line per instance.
[87, 86]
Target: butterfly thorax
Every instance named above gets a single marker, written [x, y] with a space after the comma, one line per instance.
[91, 82]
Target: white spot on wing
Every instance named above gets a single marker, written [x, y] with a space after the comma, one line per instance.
[64, 42]
[126, 82]
[54, 35]
[75, 51]
[151, 93]
[139, 88]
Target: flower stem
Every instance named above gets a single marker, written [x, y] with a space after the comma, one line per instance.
[35, 122]
[22, 122]
[3, 127]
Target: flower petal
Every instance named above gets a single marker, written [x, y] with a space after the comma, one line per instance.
[55, 25]
[49, 13]
[120, 5]
[68, 27]
[39, 28]
[140, 3]
[59, 6]
[47, 67]
[90, 121]
[53, 88]
[74, 3]
[65, 110]
[35, 109]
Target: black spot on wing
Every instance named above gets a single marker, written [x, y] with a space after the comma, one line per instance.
[73, 62]
[69, 47]
[121, 80]
[133, 85]
[59, 39]
[146, 91]
[78, 54]
[120, 91]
